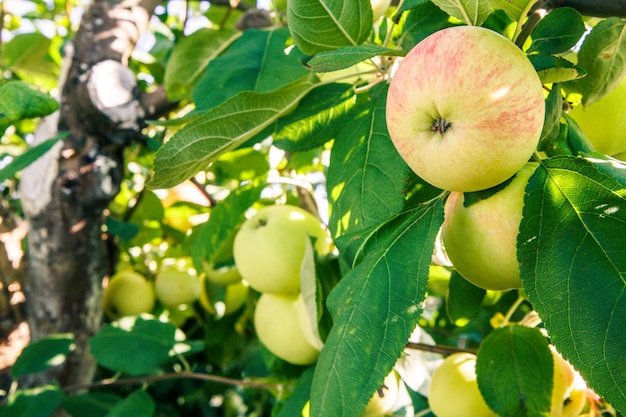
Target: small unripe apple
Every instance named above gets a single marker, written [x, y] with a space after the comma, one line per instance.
[379, 7]
[175, 287]
[481, 239]
[454, 389]
[383, 400]
[128, 293]
[278, 327]
[465, 109]
[235, 295]
[569, 389]
[270, 247]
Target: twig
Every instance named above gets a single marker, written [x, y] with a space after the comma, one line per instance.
[444, 350]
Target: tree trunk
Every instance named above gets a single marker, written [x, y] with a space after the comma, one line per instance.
[64, 193]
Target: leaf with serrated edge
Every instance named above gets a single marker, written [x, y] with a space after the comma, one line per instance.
[573, 264]
[472, 12]
[348, 56]
[222, 129]
[375, 308]
[323, 25]
[559, 31]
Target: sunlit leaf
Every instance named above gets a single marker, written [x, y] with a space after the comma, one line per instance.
[41, 401]
[31, 155]
[43, 353]
[513, 8]
[472, 12]
[348, 56]
[559, 31]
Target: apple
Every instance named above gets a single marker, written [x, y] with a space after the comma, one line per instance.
[234, 296]
[465, 109]
[603, 122]
[278, 327]
[379, 7]
[569, 390]
[383, 400]
[481, 240]
[270, 246]
[454, 389]
[128, 293]
[176, 287]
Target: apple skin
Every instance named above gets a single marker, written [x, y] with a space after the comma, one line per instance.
[604, 123]
[481, 240]
[269, 247]
[569, 390]
[278, 327]
[379, 7]
[465, 109]
[454, 389]
[235, 296]
[379, 406]
[176, 287]
[128, 293]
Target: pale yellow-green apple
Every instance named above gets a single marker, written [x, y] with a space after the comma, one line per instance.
[221, 269]
[569, 389]
[604, 122]
[454, 389]
[382, 402]
[379, 7]
[279, 328]
[176, 286]
[233, 297]
[465, 109]
[481, 239]
[128, 293]
[270, 246]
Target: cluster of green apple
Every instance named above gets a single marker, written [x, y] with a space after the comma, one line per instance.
[269, 250]
[465, 110]
[454, 389]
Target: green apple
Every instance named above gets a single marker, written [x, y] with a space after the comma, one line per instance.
[128, 293]
[379, 7]
[270, 246]
[569, 390]
[481, 240]
[278, 327]
[454, 389]
[176, 287]
[465, 109]
[232, 298]
[383, 400]
[604, 121]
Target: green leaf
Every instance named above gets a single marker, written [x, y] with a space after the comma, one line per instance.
[463, 299]
[514, 370]
[420, 22]
[375, 309]
[323, 25]
[573, 267]
[472, 12]
[222, 129]
[265, 68]
[190, 56]
[19, 100]
[43, 353]
[133, 345]
[558, 31]
[316, 120]
[603, 56]
[28, 157]
[27, 55]
[137, 404]
[366, 175]
[551, 125]
[300, 395]
[348, 56]
[552, 69]
[92, 404]
[41, 401]
[513, 8]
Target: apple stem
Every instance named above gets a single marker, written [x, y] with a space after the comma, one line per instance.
[441, 125]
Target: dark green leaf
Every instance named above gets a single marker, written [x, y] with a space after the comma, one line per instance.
[316, 120]
[137, 404]
[265, 68]
[573, 264]
[472, 12]
[43, 353]
[323, 25]
[301, 393]
[552, 69]
[375, 309]
[551, 125]
[92, 404]
[348, 56]
[422, 21]
[28, 157]
[133, 345]
[41, 401]
[20, 100]
[463, 299]
[514, 369]
[558, 31]
[190, 57]
[222, 129]
[603, 57]
[366, 175]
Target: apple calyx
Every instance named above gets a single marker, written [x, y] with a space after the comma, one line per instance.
[441, 125]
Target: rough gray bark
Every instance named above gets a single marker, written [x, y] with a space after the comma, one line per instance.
[65, 193]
